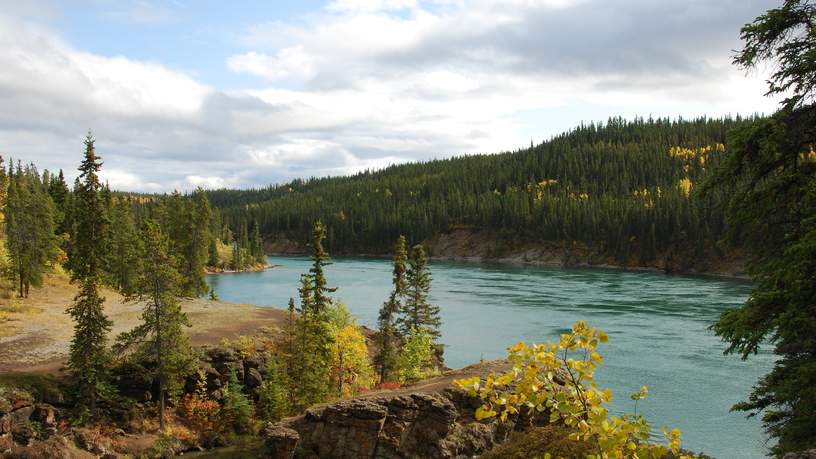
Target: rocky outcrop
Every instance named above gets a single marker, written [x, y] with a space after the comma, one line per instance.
[23, 422]
[435, 420]
[809, 454]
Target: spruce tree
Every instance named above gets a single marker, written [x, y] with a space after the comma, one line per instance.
[320, 259]
[123, 259]
[212, 253]
[417, 312]
[257, 244]
[769, 176]
[387, 331]
[59, 192]
[89, 356]
[30, 226]
[195, 245]
[160, 338]
[314, 336]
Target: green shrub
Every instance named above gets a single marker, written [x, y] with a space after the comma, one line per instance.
[415, 361]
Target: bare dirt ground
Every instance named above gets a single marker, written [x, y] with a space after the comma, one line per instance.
[37, 333]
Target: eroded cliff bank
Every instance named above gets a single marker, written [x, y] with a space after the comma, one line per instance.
[471, 245]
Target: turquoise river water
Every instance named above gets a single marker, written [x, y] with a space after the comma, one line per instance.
[657, 326]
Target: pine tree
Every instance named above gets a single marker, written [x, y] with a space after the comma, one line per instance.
[417, 312]
[212, 253]
[196, 253]
[769, 176]
[314, 336]
[123, 259]
[89, 356]
[59, 192]
[387, 331]
[30, 226]
[257, 244]
[160, 338]
[320, 259]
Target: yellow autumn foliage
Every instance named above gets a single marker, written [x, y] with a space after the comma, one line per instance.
[545, 378]
[350, 361]
[685, 185]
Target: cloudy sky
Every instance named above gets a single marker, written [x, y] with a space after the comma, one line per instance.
[187, 93]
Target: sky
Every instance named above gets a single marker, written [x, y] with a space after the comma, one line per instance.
[182, 94]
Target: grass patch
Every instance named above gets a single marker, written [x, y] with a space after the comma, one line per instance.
[40, 385]
[15, 306]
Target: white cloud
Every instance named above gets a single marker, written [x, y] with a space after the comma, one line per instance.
[368, 83]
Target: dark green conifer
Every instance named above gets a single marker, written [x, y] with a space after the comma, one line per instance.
[89, 356]
[417, 312]
[160, 339]
[388, 336]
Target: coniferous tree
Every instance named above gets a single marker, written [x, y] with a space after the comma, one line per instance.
[59, 192]
[196, 247]
[388, 336]
[320, 259]
[29, 228]
[89, 357]
[314, 336]
[417, 312]
[124, 255]
[160, 338]
[212, 253]
[257, 244]
[769, 176]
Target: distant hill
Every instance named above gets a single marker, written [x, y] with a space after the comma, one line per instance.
[622, 190]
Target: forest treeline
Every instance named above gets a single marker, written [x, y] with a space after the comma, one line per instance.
[624, 188]
[40, 230]
[154, 250]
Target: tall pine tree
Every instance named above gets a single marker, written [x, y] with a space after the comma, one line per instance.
[387, 335]
[418, 312]
[160, 338]
[89, 356]
[769, 176]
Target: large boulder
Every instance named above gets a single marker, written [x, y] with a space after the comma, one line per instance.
[280, 441]
[396, 425]
[809, 454]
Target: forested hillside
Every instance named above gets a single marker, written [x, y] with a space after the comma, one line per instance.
[625, 189]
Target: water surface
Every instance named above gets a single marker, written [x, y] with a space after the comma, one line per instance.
[657, 326]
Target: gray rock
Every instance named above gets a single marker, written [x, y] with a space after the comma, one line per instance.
[438, 425]
[280, 441]
[23, 433]
[22, 415]
[253, 378]
[221, 354]
[44, 414]
[809, 454]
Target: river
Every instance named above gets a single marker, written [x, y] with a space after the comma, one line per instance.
[657, 326]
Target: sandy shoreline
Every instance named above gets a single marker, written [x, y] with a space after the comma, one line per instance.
[37, 337]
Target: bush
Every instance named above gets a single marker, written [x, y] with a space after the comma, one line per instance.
[351, 366]
[415, 361]
[236, 409]
[546, 379]
[273, 403]
[198, 409]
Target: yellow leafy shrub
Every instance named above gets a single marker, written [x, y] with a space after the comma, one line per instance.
[545, 378]
[350, 362]
[685, 186]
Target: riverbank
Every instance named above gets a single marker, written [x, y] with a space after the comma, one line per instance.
[471, 246]
[37, 334]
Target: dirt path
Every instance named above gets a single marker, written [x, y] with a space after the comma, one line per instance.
[38, 333]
